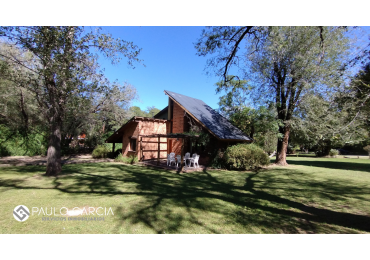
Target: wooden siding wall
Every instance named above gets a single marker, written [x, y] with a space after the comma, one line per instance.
[151, 144]
[178, 124]
[135, 129]
[131, 130]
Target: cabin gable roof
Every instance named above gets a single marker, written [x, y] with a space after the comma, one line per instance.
[210, 118]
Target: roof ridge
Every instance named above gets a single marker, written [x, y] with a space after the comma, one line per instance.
[185, 96]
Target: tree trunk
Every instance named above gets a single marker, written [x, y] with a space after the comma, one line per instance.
[54, 164]
[282, 146]
[25, 116]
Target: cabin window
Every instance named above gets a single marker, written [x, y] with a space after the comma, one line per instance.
[133, 144]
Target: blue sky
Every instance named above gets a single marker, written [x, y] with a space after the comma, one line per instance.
[171, 64]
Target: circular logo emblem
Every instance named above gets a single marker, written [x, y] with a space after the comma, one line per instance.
[21, 213]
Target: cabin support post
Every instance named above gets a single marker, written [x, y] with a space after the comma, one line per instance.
[141, 149]
[114, 145]
[182, 154]
[159, 149]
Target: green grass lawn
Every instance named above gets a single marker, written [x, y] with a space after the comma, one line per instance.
[312, 195]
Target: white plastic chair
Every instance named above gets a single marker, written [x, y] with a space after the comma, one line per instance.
[178, 157]
[171, 159]
[186, 157]
[194, 160]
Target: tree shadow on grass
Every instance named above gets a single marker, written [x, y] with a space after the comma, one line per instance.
[312, 213]
[350, 166]
[169, 202]
[23, 169]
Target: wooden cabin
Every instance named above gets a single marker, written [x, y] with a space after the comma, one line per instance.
[153, 138]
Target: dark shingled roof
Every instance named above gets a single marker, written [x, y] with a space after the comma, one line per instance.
[216, 123]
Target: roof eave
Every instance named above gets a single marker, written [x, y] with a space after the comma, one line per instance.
[237, 140]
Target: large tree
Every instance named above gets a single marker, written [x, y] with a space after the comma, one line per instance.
[322, 123]
[359, 96]
[94, 114]
[65, 68]
[259, 123]
[354, 101]
[281, 64]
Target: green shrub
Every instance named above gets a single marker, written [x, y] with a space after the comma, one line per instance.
[119, 158]
[18, 144]
[333, 152]
[4, 151]
[245, 157]
[115, 154]
[217, 160]
[101, 151]
[126, 159]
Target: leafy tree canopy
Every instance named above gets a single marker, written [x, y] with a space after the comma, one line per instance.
[58, 66]
[149, 112]
[281, 64]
